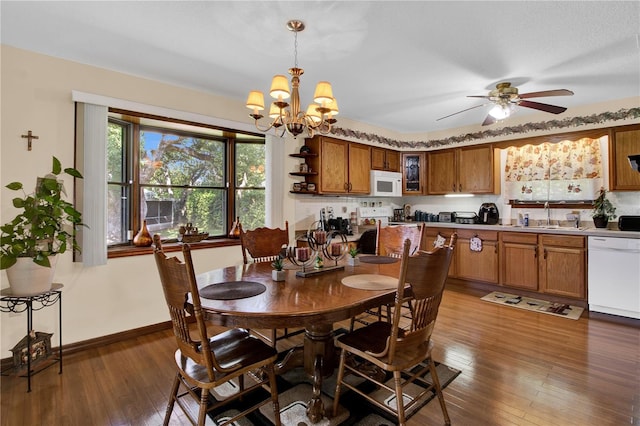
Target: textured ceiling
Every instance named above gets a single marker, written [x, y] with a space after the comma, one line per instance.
[398, 65]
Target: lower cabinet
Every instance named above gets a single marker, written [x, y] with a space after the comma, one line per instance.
[477, 255]
[519, 260]
[429, 238]
[562, 265]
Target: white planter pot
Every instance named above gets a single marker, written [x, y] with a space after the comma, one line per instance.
[27, 278]
[278, 275]
[353, 261]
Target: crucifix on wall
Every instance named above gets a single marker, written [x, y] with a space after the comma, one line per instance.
[29, 137]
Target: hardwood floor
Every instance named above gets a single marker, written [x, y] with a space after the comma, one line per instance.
[518, 368]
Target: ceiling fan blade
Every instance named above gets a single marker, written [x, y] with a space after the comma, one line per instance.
[544, 93]
[479, 96]
[489, 120]
[473, 107]
[542, 107]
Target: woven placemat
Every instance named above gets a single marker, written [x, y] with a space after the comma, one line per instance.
[378, 259]
[232, 290]
[370, 282]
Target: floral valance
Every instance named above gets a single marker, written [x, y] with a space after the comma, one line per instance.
[567, 170]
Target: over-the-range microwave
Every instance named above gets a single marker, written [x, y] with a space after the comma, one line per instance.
[386, 184]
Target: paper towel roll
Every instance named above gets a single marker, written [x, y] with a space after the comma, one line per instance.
[505, 214]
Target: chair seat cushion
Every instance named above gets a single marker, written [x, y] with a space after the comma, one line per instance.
[238, 346]
[372, 338]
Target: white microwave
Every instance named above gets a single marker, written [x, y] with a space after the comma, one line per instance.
[386, 184]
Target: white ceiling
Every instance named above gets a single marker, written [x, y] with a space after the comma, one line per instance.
[398, 65]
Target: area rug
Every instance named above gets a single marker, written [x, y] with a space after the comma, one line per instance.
[295, 390]
[537, 305]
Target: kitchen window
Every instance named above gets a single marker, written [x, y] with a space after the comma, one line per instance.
[562, 171]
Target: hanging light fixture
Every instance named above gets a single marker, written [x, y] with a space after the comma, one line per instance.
[319, 116]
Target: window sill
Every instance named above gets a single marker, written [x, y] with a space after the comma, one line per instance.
[131, 250]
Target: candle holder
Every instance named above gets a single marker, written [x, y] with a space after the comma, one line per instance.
[329, 245]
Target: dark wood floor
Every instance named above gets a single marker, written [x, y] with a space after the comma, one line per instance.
[518, 368]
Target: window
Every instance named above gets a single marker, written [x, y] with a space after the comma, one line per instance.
[173, 173]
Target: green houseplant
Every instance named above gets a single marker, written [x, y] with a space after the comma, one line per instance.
[352, 259]
[278, 274]
[45, 226]
[603, 210]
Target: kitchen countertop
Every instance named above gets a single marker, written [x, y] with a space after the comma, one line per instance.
[540, 229]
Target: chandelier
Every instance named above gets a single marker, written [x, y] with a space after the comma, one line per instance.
[319, 116]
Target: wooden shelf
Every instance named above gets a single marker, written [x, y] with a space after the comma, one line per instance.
[303, 155]
[303, 173]
[304, 192]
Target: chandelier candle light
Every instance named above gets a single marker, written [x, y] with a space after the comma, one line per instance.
[318, 117]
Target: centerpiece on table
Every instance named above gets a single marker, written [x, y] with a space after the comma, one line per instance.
[278, 274]
[45, 227]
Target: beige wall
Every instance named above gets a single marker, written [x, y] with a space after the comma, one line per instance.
[125, 293]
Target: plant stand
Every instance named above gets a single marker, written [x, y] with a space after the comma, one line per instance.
[17, 304]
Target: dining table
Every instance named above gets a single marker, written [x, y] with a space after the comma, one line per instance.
[315, 302]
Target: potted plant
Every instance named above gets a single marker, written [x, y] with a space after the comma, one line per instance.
[278, 273]
[603, 210]
[45, 226]
[352, 259]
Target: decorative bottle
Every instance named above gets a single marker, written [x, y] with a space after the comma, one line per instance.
[143, 237]
[235, 229]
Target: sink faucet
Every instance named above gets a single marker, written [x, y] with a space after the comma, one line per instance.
[546, 207]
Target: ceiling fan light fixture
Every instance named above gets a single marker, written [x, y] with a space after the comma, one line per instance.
[500, 112]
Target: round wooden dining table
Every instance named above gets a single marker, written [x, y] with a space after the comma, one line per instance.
[314, 302]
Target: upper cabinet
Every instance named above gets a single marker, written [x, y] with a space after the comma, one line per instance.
[413, 173]
[471, 170]
[623, 141]
[343, 166]
[385, 159]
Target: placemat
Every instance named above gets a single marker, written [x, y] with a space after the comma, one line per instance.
[378, 259]
[370, 282]
[232, 290]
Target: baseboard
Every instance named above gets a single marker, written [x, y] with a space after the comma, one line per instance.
[97, 342]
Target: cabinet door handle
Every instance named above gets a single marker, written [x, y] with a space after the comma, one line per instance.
[459, 187]
[545, 254]
[453, 187]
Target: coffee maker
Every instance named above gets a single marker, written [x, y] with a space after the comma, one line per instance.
[489, 214]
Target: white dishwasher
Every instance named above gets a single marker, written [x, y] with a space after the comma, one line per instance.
[614, 276]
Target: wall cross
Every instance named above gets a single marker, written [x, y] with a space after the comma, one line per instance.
[29, 136]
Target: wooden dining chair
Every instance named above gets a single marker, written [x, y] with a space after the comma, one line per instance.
[403, 351]
[265, 245]
[205, 362]
[389, 242]
[390, 239]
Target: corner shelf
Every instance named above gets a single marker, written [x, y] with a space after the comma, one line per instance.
[303, 155]
[303, 173]
[304, 192]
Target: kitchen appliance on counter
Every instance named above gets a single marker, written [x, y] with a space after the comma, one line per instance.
[446, 217]
[467, 218]
[488, 214]
[629, 223]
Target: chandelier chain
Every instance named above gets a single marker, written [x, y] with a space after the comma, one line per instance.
[295, 49]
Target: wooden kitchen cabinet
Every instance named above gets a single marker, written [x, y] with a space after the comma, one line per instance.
[385, 159]
[623, 141]
[429, 237]
[562, 265]
[519, 260]
[413, 173]
[470, 170]
[477, 265]
[343, 167]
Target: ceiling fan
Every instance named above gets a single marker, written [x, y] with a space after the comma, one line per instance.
[506, 98]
